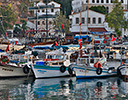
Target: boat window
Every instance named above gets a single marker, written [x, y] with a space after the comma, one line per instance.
[60, 63]
[83, 61]
[92, 61]
[50, 57]
[54, 63]
[59, 57]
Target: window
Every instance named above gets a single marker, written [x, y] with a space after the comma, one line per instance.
[107, 1]
[52, 10]
[93, 1]
[102, 1]
[94, 20]
[88, 20]
[99, 20]
[77, 20]
[38, 22]
[122, 1]
[107, 9]
[50, 22]
[97, 1]
[43, 22]
[83, 20]
[43, 10]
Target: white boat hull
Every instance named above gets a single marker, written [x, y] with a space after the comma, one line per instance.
[92, 73]
[7, 71]
[49, 72]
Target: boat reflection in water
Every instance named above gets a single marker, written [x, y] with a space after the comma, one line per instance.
[123, 87]
[97, 89]
[63, 88]
[53, 88]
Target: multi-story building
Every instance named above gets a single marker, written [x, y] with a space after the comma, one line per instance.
[41, 23]
[96, 21]
[108, 4]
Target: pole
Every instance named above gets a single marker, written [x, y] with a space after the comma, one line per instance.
[80, 21]
[36, 20]
[87, 14]
[46, 19]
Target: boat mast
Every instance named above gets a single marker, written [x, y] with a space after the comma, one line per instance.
[87, 14]
[46, 19]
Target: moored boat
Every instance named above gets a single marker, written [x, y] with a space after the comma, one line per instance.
[55, 65]
[93, 67]
[15, 65]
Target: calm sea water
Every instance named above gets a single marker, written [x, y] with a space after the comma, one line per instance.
[63, 89]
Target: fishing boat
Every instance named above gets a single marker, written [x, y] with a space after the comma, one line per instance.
[89, 66]
[15, 65]
[56, 64]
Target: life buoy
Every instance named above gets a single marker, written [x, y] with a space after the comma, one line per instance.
[70, 71]
[98, 71]
[4, 59]
[26, 69]
[97, 65]
[62, 69]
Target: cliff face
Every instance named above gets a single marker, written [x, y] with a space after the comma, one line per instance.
[19, 6]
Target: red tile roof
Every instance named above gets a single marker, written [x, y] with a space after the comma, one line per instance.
[97, 29]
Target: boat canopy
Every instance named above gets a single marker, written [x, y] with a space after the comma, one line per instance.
[84, 37]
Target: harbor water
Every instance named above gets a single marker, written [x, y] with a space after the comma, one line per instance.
[111, 88]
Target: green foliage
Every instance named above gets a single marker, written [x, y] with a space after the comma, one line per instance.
[23, 27]
[100, 9]
[8, 18]
[17, 28]
[116, 18]
[61, 19]
[20, 29]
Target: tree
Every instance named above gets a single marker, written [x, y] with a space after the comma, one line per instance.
[100, 9]
[20, 30]
[8, 18]
[24, 27]
[60, 22]
[116, 18]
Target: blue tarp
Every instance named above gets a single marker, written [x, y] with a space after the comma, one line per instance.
[83, 37]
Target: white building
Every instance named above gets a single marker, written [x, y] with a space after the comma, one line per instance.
[41, 23]
[96, 20]
[108, 4]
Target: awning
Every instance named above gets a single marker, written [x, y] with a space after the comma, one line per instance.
[97, 30]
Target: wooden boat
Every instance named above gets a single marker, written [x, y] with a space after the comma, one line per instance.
[56, 64]
[92, 67]
[15, 65]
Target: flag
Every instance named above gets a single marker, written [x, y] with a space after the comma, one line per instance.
[80, 24]
[113, 38]
[7, 48]
[56, 44]
[62, 26]
[16, 42]
[80, 43]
